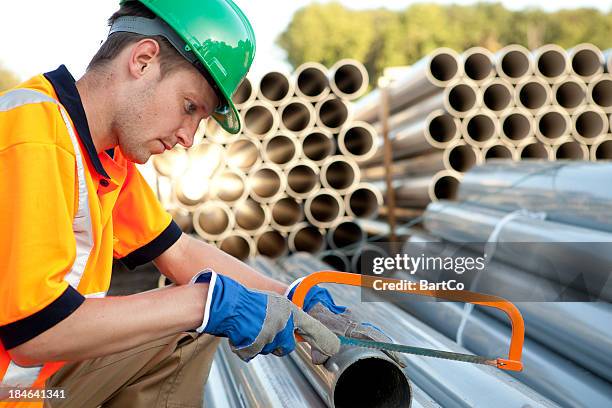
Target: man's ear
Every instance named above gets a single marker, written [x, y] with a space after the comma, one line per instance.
[144, 57]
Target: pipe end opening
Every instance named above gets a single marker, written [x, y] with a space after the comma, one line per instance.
[374, 383]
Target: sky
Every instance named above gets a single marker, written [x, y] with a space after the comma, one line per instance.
[70, 31]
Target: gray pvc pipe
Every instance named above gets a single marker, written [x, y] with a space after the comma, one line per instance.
[285, 213]
[417, 192]
[339, 173]
[570, 149]
[557, 318]
[425, 78]
[306, 237]
[497, 95]
[517, 127]
[544, 371]
[568, 192]
[576, 330]
[417, 166]
[282, 149]
[266, 381]
[572, 256]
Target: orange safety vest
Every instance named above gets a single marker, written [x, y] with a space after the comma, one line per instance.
[65, 212]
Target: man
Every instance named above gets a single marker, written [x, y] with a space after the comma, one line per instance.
[72, 199]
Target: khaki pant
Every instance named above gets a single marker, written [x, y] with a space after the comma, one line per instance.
[170, 372]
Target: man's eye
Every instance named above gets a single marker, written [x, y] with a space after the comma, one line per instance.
[190, 107]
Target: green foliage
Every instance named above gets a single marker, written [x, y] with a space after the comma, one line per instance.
[7, 79]
[381, 38]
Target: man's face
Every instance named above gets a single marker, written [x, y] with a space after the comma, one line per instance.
[159, 113]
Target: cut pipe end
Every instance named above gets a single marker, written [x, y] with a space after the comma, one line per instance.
[238, 245]
[260, 119]
[358, 141]
[478, 64]
[586, 60]
[297, 116]
[332, 113]
[517, 127]
[535, 150]
[306, 238]
[444, 186]
[275, 87]
[281, 149]
[443, 67]
[514, 62]
[461, 157]
[551, 62]
[602, 151]
[271, 244]
[461, 97]
[311, 81]
[349, 79]
[363, 201]
[570, 93]
[244, 94]
[372, 382]
[318, 145]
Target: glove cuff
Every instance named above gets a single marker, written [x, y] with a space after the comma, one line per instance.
[315, 295]
[291, 289]
[206, 276]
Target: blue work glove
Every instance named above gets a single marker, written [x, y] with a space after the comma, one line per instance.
[319, 304]
[258, 322]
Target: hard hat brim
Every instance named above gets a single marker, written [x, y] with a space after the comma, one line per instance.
[230, 119]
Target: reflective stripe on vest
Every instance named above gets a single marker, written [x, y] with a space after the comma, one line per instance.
[15, 374]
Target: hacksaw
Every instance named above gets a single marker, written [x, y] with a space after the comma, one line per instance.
[512, 363]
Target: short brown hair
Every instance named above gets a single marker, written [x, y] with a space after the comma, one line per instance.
[116, 42]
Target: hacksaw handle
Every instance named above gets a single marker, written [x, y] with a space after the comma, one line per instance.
[512, 363]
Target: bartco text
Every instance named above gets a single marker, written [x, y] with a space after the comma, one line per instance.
[422, 284]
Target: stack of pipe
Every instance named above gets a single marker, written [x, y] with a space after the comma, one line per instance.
[567, 349]
[290, 181]
[450, 112]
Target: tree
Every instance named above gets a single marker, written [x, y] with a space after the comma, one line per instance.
[381, 38]
[327, 33]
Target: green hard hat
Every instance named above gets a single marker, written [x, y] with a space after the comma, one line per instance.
[214, 35]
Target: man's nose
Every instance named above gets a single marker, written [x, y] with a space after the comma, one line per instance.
[184, 138]
[186, 134]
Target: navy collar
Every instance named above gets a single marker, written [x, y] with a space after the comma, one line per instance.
[65, 88]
